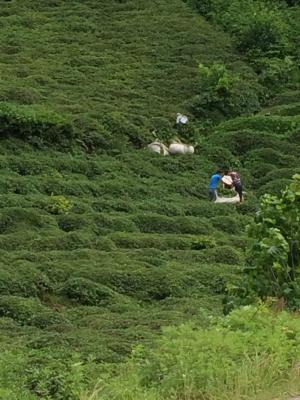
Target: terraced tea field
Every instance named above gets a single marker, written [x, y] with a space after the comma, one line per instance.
[104, 243]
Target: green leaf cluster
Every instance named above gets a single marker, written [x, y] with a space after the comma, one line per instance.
[273, 261]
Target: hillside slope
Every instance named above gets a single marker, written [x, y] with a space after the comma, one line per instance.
[100, 251]
[89, 58]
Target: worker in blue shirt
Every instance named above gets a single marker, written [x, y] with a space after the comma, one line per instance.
[213, 184]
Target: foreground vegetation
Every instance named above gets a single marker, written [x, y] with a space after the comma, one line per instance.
[104, 244]
[250, 354]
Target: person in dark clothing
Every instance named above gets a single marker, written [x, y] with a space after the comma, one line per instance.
[236, 183]
[213, 184]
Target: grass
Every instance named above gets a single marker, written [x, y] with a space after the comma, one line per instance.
[234, 365]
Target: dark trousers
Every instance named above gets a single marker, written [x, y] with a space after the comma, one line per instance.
[212, 194]
[239, 189]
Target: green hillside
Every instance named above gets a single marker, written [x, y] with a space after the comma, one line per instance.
[104, 243]
[132, 57]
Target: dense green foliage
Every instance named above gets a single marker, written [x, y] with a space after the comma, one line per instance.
[244, 356]
[273, 263]
[35, 127]
[104, 243]
[223, 93]
[265, 32]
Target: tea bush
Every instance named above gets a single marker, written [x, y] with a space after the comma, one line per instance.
[28, 124]
[259, 169]
[219, 155]
[72, 222]
[224, 254]
[169, 209]
[227, 224]
[112, 205]
[87, 292]
[28, 311]
[223, 93]
[153, 223]
[128, 242]
[202, 208]
[271, 156]
[24, 280]
[161, 242]
[242, 141]
[204, 278]
[145, 284]
[107, 223]
[274, 187]
[265, 123]
[284, 173]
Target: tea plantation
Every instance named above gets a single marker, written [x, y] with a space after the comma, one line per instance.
[103, 243]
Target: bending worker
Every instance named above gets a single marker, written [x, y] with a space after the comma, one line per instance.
[213, 184]
[236, 183]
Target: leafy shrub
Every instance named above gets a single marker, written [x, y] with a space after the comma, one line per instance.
[71, 222]
[275, 72]
[259, 169]
[266, 31]
[69, 241]
[121, 129]
[30, 167]
[203, 208]
[23, 279]
[284, 173]
[5, 222]
[87, 292]
[48, 376]
[161, 128]
[294, 137]
[221, 156]
[153, 223]
[227, 224]
[242, 141]
[91, 135]
[119, 205]
[28, 311]
[13, 363]
[21, 95]
[274, 187]
[16, 185]
[107, 223]
[224, 255]
[273, 124]
[223, 92]
[17, 218]
[169, 209]
[256, 26]
[274, 254]
[205, 7]
[271, 156]
[161, 242]
[249, 207]
[59, 205]
[213, 280]
[26, 123]
[146, 284]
